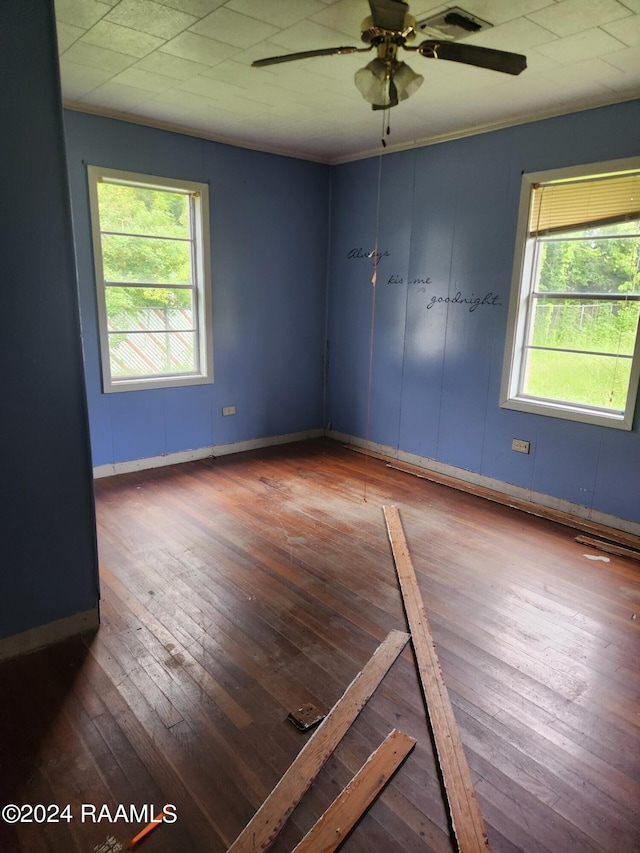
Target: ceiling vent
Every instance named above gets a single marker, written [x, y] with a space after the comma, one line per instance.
[453, 24]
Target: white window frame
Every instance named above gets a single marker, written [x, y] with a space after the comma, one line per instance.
[519, 314]
[201, 285]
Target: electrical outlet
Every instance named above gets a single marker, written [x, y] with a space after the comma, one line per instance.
[228, 410]
[520, 446]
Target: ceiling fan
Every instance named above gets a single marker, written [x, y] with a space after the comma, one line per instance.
[385, 81]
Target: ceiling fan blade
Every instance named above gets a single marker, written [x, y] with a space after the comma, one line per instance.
[389, 14]
[471, 54]
[306, 54]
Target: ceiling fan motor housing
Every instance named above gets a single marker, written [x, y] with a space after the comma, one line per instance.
[371, 34]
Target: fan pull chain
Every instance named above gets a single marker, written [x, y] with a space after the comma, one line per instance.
[386, 120]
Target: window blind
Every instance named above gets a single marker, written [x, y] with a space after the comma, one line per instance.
[585, 203]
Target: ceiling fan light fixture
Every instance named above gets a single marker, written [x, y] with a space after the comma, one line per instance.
[407, 81]
[374, 82]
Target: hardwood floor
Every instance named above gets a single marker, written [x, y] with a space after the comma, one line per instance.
[236, 589]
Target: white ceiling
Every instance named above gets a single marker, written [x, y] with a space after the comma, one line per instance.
[186, 65]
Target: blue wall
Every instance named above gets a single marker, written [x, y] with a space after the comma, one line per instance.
[428, 380]
[269, 233]
[447, 220]
[48, 563]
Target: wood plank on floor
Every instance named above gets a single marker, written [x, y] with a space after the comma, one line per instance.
[466, 817]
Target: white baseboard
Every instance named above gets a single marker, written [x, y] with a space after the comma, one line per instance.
[47, 635]
[507, 489]
[201, 453]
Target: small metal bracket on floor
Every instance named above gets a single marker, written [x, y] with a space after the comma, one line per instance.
[306, 717]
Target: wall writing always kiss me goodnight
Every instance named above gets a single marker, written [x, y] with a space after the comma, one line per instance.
[472, 302]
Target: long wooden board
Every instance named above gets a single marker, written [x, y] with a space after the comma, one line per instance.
[262, 829]
[330, 830]
[466, 818]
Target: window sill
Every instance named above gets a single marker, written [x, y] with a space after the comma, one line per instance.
[617, 420]
[151, 384]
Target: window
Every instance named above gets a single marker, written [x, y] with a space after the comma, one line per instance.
[573, 348]
[151, 251]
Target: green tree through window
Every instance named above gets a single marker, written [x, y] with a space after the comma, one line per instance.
[584, 342]
[150, 251]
